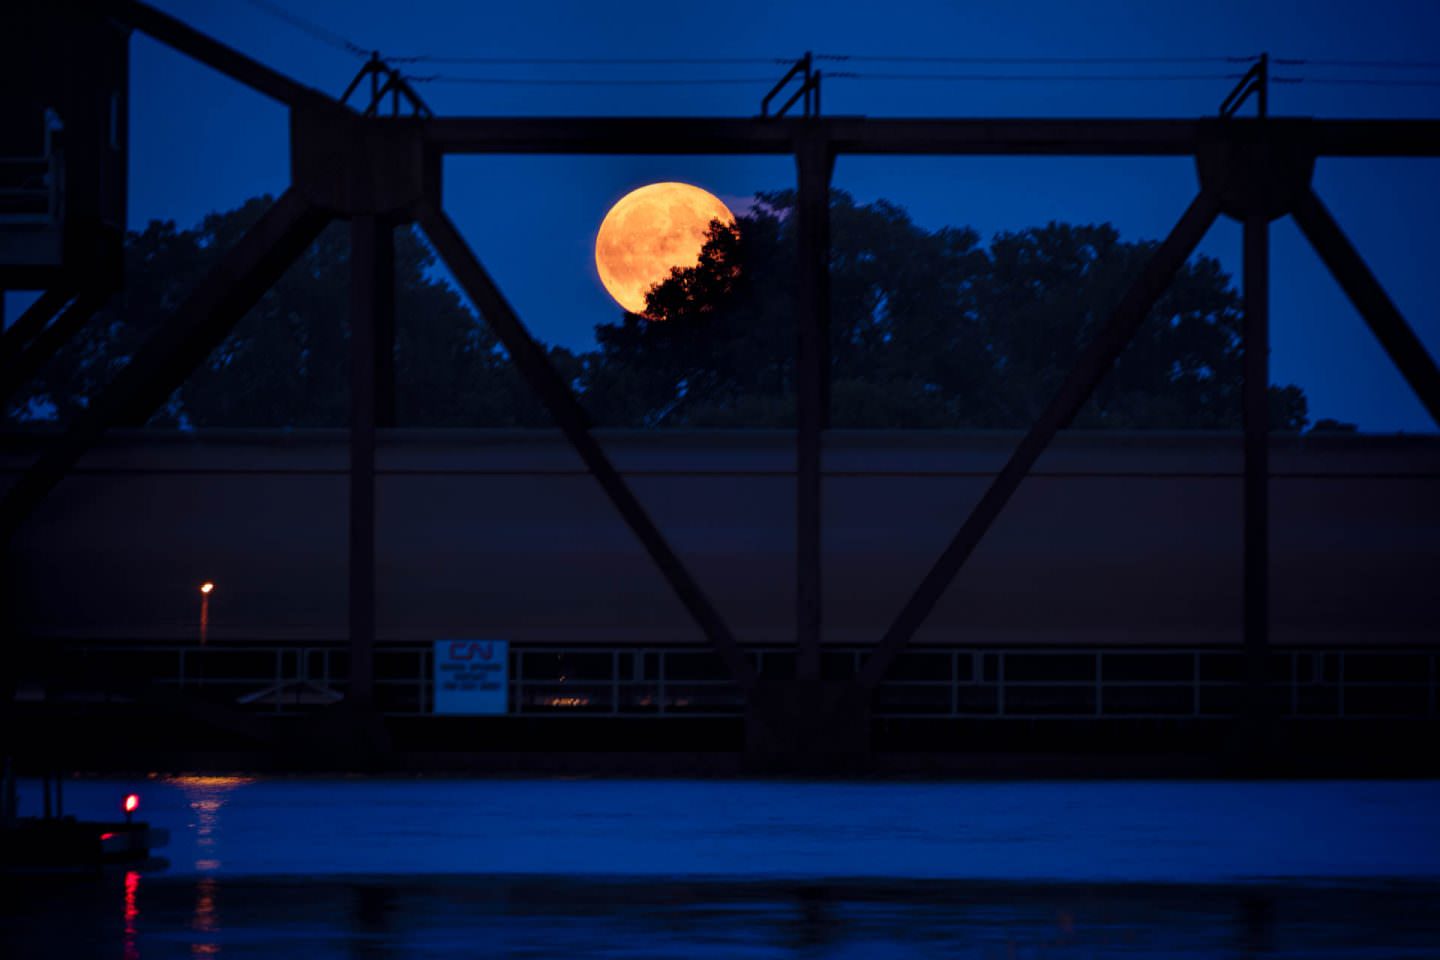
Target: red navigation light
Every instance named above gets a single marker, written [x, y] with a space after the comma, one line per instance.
[132, 803]
[106, 836]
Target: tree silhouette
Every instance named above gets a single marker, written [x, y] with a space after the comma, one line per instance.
[928, 329]
[286, 362]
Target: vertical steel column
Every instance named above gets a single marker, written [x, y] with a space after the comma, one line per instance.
[372, 307]
[384, 320]
[814, 163]
[8, 798]
[1257, 463]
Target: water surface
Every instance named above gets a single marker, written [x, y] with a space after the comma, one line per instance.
[451, 868]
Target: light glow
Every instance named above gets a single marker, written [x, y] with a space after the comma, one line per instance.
[207, 587]
[564, 701]
[132, 802]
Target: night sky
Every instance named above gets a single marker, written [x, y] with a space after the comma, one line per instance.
[201, 142]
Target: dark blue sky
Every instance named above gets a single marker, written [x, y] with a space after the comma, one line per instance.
[201, 142]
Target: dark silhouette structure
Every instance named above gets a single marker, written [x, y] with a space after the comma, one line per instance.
[378, 171]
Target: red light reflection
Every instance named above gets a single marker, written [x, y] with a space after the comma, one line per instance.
[131, 948]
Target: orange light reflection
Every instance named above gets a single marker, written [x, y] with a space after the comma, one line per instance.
[206, 919]
[207, 797]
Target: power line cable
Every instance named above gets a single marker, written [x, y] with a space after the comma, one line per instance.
[314, 30]
[1361, 64]
[339, 41]
[835, 75]
[1037, 61]
[589, 81]
[1356, 81]
[1029, 77]
[591, 61]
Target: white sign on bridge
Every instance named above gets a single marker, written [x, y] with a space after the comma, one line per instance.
[472, 677]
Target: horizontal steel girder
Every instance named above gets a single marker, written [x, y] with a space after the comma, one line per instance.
[957, 137]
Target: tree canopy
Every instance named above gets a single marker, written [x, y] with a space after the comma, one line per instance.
[928, 329]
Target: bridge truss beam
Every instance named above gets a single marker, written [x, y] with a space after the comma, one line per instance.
[382, 171]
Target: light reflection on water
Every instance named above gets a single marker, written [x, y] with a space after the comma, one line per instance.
[130, 948]
[207, 919]
[207, 796]
[1159, 832]
[410, 868]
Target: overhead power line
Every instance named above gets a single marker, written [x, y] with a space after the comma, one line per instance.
[1029, 77]
[1037, 61]
[837, 57]
[1362, 64]
[836, 75]
[591, 61]
[340, 41]
[590, 81]
[1356, 81]
[316, 31]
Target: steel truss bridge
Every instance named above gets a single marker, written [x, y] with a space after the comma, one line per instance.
[379, 170]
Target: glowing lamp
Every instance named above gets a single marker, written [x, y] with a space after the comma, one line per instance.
[207, 587]
[130, 805]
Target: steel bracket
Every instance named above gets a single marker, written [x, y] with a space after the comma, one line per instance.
[352, 166]
[1255, 169]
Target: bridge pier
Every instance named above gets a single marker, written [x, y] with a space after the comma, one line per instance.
[807, 726]
[1259, 178]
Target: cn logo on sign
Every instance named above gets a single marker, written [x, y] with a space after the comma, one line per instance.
[471, 649]
[472, 677]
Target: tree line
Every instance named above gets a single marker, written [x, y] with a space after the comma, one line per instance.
[929, 329]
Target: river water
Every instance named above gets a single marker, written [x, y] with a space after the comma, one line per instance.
[459, 868]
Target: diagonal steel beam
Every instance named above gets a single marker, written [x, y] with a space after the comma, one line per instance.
[31, 322]
[186, 39]
[1380, 313]
[186, 339]
[17, 371]
[1092, 366]
[535, 366]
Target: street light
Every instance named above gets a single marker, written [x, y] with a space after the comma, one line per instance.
[206, 589]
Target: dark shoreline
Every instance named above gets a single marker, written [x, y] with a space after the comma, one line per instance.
[919, 768]
[539, 915]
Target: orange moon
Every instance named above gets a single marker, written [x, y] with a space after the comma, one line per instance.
[649, 231]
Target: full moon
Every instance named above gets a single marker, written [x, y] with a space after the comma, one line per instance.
[649, 231]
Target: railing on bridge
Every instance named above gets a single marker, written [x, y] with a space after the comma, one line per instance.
[30, 185]
[934, 683]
